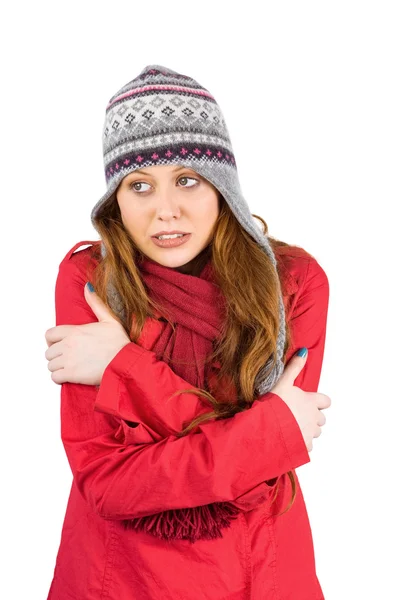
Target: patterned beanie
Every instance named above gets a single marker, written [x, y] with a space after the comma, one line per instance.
[164, 117]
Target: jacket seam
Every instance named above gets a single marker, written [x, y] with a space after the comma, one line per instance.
[302, 285]
[111, 483]
[282, 436]
[296, 295]
[248, 566]
[268, 520]
[109, 563]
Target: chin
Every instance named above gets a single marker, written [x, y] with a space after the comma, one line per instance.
[173, 261]
[176, 258]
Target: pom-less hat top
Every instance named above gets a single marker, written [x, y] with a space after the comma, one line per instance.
[164, 117]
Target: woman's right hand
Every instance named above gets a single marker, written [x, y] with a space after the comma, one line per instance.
[305, 406]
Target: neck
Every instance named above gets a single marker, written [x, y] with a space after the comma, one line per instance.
[195, 266]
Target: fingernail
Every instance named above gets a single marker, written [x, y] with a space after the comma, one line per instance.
[91, 288]
[302, 352]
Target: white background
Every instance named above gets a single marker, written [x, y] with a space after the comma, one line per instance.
[310, 94]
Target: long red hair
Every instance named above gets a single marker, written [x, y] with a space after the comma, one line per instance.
[252, 322]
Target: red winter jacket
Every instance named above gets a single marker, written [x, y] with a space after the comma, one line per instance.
[123, 472]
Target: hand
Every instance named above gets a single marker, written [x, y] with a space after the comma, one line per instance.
[305, 406]
[80, 353]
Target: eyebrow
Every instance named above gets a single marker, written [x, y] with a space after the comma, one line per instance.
[173, 170]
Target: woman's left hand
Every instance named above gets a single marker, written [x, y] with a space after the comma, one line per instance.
[81, 353]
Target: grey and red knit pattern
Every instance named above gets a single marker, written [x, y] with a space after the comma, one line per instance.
[164, 117]
[172, 117]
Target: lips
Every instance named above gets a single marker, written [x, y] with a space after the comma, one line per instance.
[169, 233]
[172, 242]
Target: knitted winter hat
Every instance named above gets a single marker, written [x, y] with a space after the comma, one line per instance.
[164, 117]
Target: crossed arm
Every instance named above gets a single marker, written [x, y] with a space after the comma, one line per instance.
[120, 439]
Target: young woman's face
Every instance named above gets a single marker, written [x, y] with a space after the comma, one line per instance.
[168, 198]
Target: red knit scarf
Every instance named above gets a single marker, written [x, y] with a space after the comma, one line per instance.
[195, 305]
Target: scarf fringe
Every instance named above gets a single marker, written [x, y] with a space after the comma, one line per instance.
[200, 522]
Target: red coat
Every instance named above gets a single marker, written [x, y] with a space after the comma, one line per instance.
[121, 472]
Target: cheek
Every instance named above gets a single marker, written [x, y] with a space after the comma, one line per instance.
[211, 213]
[204, 219]
[133, 218]
[208, 208]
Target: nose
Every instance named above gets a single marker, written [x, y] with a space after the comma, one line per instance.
[168, 206]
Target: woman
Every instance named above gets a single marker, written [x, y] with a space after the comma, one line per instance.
[185, 407]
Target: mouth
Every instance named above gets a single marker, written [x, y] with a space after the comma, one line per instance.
[171, 242]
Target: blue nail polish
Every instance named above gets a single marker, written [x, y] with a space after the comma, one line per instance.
[302, 352]
[91, 288]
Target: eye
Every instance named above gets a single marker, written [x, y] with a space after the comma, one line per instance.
[134, 183]
[186, 178]
[132, 186]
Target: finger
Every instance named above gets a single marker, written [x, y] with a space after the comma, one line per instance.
[56, 334]
[59, 376]
[98, 307]
[322, 400]
[294, 367]
[321, 419]
[56, 364]
[53, 351]
[318, 432]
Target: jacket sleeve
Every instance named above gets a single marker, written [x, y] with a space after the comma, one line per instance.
[308, 319]
[120, 438]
